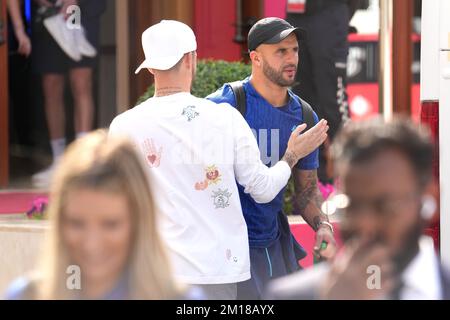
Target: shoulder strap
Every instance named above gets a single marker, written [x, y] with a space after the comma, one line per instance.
[239, 93]
[308, 114]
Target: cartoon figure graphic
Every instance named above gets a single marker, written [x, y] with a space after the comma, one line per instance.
[200, 186]
[212, 175]
[221, 198]
[152, 155]
[190, 113]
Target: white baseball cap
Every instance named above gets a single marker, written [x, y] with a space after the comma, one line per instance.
[165, 43]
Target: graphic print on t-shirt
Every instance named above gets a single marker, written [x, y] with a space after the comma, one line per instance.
[202, 185]
[190, 113]
[152, 155]
[221, 198]
[213, 176]
[230, 256]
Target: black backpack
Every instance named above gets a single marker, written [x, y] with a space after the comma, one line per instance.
[239, 93]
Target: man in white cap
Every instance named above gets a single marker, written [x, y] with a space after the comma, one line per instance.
[196, 150]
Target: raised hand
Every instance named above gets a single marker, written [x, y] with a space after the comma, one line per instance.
[302, 144]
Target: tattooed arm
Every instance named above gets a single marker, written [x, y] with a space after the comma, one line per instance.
[308, 199]
[307, 202]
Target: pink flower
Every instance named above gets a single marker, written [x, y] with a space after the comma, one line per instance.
[38, 207]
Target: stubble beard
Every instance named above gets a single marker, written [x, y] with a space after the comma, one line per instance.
[276, 76]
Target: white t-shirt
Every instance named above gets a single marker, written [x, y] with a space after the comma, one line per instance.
[195, 150]
[422, 277]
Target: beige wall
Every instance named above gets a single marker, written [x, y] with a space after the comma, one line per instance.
[20, 245]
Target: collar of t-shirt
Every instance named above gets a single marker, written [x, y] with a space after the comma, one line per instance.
[252, 91]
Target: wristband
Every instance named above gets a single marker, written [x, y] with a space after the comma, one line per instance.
[326, 223]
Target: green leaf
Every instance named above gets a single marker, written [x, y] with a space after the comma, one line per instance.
[211, 75]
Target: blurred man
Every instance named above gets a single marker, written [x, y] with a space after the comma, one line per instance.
[195, 151]
[385, 173]
[272, 110]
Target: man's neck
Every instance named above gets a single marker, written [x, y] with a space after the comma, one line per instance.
[168, 90]
[274, 94]
[167, 84]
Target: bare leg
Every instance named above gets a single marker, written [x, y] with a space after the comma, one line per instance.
[53, 86]
[81, 83]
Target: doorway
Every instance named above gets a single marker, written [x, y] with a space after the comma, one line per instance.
[4, 140]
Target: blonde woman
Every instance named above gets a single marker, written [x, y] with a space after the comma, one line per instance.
[104, 226]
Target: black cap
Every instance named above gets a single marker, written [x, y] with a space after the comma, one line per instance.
[271, 31]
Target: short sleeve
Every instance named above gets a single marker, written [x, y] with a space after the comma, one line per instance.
[311, 161]
[223, 95]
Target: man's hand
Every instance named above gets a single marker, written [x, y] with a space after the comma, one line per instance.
[65, 5]
[324, 234]
[302, 144]
[348, 278]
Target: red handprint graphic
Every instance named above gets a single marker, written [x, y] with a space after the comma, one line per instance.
[152, 155]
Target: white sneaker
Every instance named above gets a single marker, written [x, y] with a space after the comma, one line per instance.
[64, 37]
[43, 178]
[83, 44]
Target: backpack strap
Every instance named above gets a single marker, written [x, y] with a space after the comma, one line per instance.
[241, 103]
[308, 114]
[239, 93]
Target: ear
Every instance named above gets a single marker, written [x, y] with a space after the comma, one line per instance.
[255, 58]
[188, 60]
[429, 204]
[428, 207]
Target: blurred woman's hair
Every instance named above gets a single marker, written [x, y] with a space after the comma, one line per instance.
[101, 163]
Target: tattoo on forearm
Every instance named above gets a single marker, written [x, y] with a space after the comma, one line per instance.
[290, 158]
[307, 194]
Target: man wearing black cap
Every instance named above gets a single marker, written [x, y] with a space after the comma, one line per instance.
[272, 110]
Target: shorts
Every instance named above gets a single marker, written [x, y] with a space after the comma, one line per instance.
[48, 57]
[278, 259]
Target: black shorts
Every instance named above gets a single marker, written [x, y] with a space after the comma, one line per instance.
[48, 57]
[278, 259]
